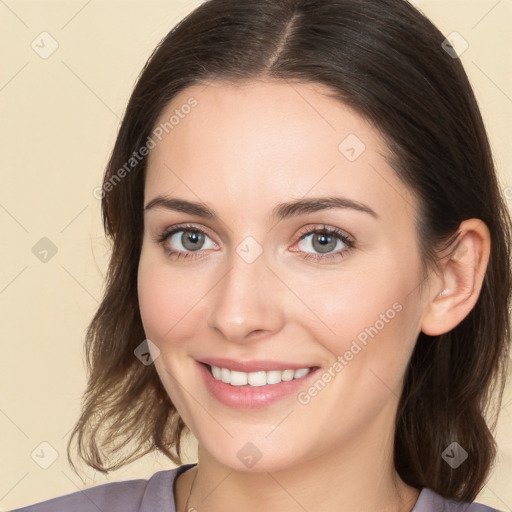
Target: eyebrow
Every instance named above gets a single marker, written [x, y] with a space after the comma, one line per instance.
[280, 212]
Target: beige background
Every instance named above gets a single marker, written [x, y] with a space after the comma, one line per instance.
[59, 117]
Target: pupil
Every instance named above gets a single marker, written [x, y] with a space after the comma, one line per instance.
[326, 243]
[192, 240]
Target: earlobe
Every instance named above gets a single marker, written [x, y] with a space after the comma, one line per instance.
[458, 285]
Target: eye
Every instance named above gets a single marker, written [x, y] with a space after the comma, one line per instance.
[324, 240]
[182, 241]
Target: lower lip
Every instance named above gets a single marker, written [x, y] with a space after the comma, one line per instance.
[253, 397]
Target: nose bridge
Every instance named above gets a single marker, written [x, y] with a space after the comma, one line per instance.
[245, 300]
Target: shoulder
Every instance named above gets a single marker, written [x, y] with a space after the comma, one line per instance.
[429, 501]
[125, 496]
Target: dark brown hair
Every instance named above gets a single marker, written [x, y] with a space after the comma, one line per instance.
[386, 60]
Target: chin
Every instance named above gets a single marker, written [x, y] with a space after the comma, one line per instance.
[253, 458]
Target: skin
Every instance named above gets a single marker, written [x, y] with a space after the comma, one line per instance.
[242, 150]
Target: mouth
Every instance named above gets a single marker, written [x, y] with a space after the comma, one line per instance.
[257, 378]
[254, 390]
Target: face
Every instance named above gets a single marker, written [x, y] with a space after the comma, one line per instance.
[331, 287]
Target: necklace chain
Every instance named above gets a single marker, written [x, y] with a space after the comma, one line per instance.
[190, 492]
[192, 486]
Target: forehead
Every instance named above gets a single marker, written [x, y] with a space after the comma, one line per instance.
[265, 115]
[263, 140]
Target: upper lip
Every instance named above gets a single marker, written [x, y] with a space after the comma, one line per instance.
[254, 365]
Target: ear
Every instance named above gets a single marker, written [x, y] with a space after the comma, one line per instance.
[457, 285]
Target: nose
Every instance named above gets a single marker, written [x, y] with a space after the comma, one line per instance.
[248, 302]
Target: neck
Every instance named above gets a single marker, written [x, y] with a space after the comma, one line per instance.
[357, 476]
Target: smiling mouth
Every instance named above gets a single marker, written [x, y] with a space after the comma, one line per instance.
[257, 378]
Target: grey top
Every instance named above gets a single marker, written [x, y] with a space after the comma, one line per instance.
[157, 494]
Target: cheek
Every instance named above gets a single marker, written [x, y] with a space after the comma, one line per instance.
[369, 328]
[369, 316]
[169, 299]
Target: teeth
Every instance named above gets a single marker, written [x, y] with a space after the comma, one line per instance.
[261, 378]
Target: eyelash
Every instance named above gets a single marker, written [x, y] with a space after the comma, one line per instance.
[331, 231]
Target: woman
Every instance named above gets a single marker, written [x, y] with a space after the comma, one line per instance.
[310, 269]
